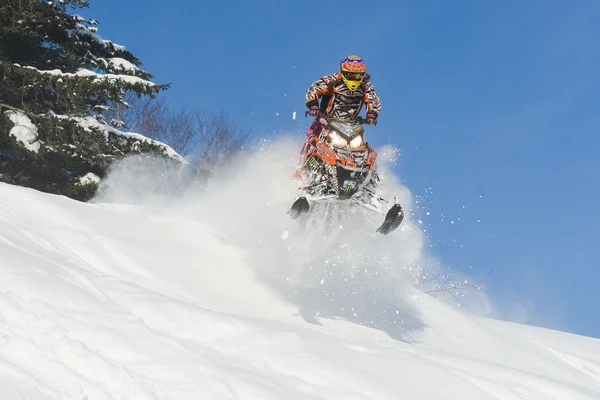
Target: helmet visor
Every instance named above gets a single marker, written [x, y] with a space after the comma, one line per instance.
[353, 76]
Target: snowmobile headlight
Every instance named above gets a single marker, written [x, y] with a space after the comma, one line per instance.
[356, 142]
[337, 140]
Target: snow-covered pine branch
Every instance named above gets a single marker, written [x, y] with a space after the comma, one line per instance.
[59, 78]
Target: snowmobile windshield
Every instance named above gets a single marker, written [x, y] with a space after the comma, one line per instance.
[347, 128]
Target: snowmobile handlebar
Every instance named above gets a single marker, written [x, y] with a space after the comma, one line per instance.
[357, 120]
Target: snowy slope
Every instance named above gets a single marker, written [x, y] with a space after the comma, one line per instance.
[221, 297]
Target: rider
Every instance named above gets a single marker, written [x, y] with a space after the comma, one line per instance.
[343, 94]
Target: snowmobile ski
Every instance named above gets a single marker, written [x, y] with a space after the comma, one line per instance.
[393, 219]
[299, 207]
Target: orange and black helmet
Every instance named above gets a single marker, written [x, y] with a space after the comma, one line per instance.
[353, 70]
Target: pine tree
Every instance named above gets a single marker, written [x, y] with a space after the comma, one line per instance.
[57, 79]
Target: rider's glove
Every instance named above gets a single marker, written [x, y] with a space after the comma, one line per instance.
[371, 118]
[314, 111]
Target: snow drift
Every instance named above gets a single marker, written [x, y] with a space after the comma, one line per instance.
[213, 293]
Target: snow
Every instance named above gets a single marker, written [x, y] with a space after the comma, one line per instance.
[84, 31]
[117, 64]
[120, 64]
[186, 299]
[89, 178]
[98, 78]
[24, 130]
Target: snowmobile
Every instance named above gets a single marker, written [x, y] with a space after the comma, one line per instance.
[339, 165]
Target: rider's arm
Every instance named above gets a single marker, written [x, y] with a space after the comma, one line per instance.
[317, 90]
[372, 98]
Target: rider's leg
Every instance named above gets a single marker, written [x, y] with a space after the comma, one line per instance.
[315, 129]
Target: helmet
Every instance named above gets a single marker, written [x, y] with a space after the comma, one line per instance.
[353, 70]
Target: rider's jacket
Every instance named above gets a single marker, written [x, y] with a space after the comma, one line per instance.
[338, 101]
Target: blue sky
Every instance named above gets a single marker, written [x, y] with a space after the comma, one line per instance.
[495, 106]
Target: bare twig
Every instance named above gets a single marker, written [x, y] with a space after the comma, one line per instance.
[2, 105]
[474, 285]
[205, 137]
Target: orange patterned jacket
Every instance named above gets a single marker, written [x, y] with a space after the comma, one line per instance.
[338, 101]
